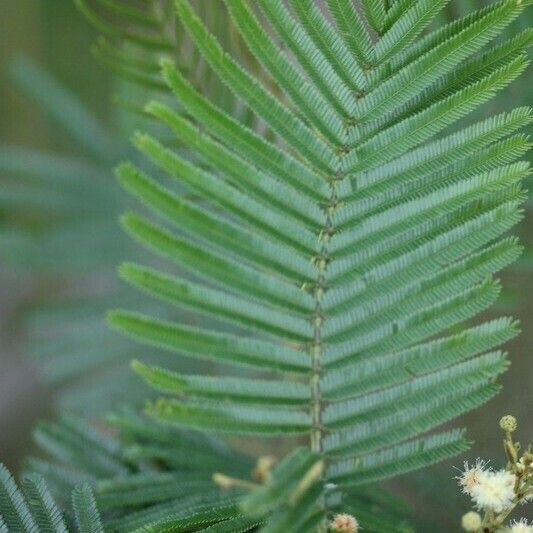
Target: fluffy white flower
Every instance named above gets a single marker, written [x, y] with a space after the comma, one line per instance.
[494, 490]
[471, 521]
[471, 475]
[520, 526]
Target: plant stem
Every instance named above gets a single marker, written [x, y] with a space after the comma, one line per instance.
[318, 318]
[316, 361]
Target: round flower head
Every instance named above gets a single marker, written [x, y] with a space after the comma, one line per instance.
[508, 423]
[344, 523]
[494, 490]
[471, 521]
[470, 476]
[520, 526]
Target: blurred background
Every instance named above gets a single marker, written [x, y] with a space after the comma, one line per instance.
[60, 136]
[54, 36]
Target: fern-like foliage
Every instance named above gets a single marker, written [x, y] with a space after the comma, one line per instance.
[33, 509]
[135, 38]
[352, 248]
[153, 476]
[149, 27]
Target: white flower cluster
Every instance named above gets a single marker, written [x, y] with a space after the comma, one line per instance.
[520, 526]
[498, 493]
[488, 489]
[521, 467]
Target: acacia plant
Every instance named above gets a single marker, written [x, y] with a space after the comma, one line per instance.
[351, 249]
[338, 256]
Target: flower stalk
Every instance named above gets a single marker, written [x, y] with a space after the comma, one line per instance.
[498, 493]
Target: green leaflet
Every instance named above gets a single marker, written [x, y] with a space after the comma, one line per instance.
[310, 57]
[392, 191]
[150, 42]
[369, 436]
[262, 153]
[177, 449]
[426, 293]
[399, 459]
[210, 228]
[405, 29]
[328, 42]
[231, 419]
[352, 31]
[227, 271]
[304, 96]
[367, 376]
[131, 13]
[240, 524]
[438, 202]
[204, 343]
[471, 70]
[279, 117]
[48, 516]
[149, 489]
[411, 394]
[433, 251]
[445, 151]
[395, 11]
[237, 390]
[180, 515]
[444, 32]
[206, 184]
[410, 132]
[74, 440]
[292, 207]
[216, 303]
[398, 334]
[375, 11]
[420, 74]
[85, 511]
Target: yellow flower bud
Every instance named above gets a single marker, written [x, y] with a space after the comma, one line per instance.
[471, 521]
[344, 523]
[508, 423]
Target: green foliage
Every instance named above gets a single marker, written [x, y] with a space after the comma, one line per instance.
[85, 511]
[51, 202]
[292, 493]
[355, 295]
[135, 38]
[33, 510]
[153, 476]
[329, 250]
